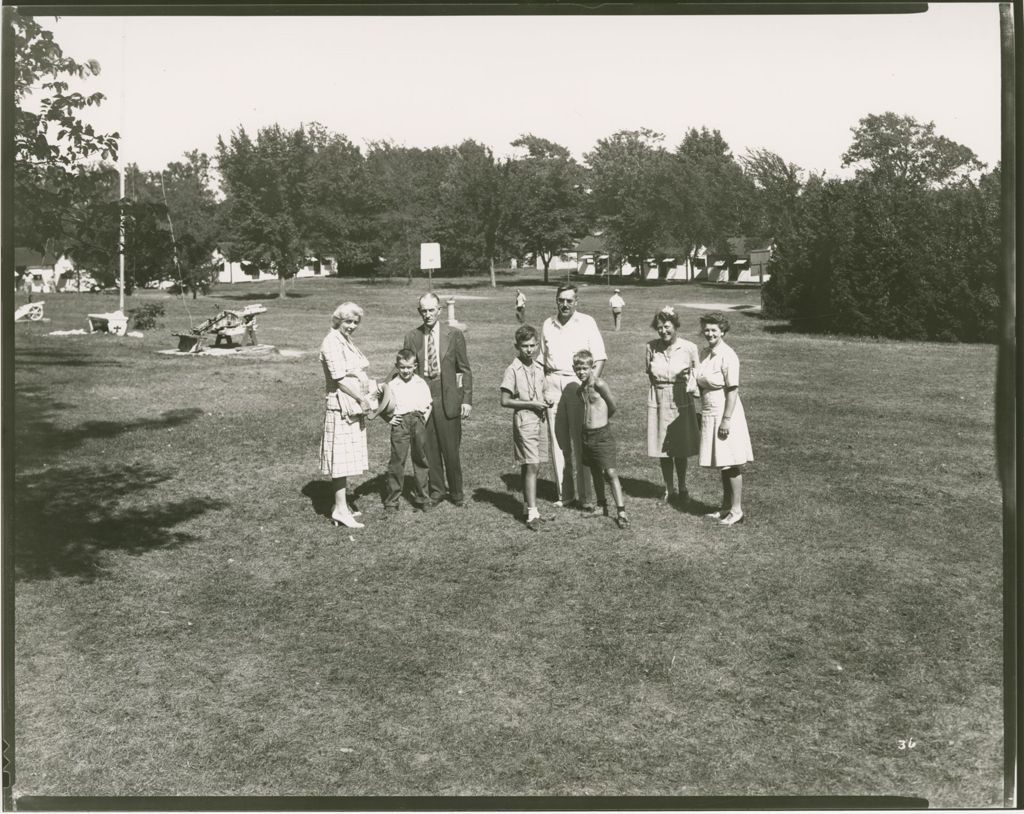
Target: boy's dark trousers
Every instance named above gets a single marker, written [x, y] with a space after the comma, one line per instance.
[410, 434]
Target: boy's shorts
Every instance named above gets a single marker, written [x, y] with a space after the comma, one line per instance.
[599, 448]
[529, 437]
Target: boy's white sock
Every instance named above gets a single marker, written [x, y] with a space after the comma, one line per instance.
[532, 513]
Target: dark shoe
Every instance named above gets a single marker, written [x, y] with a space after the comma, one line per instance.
[533, 525]
[421, 507]
[389, 509]
[621, 520]
[435, 501]
[459, 504]
[589, 508]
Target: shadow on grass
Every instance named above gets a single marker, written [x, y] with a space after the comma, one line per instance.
[38, 437]
[321, 493]
[59, 357]
[634, 487]
[644, 489]
[251, 296]
[545, 488]
[506, 502]
[66, 518]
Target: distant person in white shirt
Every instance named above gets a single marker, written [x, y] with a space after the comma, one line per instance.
[562, 336]
[617, 304]
[411, 405]
[520, 306]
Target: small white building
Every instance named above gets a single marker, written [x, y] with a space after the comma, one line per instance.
[241, 271]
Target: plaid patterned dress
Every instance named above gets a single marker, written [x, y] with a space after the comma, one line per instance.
[343, 448]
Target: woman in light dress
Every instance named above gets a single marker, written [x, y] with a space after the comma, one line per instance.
[724, 439]
[672, 431]
[351, 399]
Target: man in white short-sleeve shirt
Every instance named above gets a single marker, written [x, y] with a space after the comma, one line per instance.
[561, 336]
[617, 304]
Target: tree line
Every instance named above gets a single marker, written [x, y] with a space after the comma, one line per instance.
[907, 247]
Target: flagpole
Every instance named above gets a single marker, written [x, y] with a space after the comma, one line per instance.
[120, 175]
[120, 246]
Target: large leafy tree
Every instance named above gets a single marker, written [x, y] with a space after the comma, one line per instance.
[292, 192]
[777, 186]
[405, 185]
[341, 210]
[713, 199]
[184, 198]
[470, 201]
[631, 195]
[51, 140]
[544, 202]
[91, 224]
[894, 149]
[267, 186]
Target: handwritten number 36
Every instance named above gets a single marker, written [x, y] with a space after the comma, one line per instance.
[905, 743]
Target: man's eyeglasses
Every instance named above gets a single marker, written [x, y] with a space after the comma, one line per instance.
[568, 301]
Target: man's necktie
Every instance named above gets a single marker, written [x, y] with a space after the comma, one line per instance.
[432, 365]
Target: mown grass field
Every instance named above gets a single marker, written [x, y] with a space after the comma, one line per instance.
[188, 622]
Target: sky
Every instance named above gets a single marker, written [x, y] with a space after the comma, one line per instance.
[795, 85]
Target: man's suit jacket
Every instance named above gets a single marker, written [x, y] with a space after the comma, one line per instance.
[453, 359]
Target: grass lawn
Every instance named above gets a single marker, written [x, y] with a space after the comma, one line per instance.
[188, 622]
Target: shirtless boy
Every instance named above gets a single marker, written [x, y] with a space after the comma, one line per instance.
[598, 441]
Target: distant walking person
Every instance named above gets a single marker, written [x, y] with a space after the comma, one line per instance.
[724, 439]
[562, 336]
[672, 431]
[617, 304]
[351, 398]
[443, 362]
[520, 306]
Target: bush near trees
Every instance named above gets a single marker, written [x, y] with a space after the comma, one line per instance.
[908, 248]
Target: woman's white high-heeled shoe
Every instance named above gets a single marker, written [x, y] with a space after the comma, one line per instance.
[731, 519]
[346, 520]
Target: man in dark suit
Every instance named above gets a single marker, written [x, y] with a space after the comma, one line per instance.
[442, 361]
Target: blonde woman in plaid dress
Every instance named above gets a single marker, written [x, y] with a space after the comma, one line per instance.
[351, 398]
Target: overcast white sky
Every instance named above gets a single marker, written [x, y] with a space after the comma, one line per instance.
[791, 84]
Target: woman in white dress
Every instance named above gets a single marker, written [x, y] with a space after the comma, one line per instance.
[351, 399]
[672, 432]
[724, 439]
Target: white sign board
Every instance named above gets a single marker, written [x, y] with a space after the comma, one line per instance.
[430, 256]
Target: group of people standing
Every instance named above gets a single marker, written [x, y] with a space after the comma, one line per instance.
[560, 402]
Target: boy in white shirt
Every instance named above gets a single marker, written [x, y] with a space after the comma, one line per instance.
[411, 405]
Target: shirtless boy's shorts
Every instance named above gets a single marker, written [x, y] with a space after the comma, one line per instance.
[599, 448]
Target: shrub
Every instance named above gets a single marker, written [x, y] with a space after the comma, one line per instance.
[146, 316]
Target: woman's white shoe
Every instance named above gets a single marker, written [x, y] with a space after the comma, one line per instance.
[731, 519]
[346, 520]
